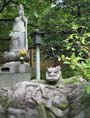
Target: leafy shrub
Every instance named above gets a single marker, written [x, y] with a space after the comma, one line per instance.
[87, 89]
[79, 65]
[83, 69]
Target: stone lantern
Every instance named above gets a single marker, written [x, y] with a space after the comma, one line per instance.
[37, 38]
[37, 41]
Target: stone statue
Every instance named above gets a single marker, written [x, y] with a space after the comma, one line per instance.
[53, 74]
[19, 33]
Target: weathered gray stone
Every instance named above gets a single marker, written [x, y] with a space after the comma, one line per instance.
[32, 100]
[17, 112]
[31, 112]
[78, 101]
[15, 67]
[60, 102]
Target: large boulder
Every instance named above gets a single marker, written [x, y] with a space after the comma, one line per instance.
[37, 100]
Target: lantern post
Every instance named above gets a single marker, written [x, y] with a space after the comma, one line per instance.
[37, 43]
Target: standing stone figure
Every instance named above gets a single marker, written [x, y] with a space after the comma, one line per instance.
[19, 33]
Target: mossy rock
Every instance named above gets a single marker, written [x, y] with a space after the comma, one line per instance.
[72, 80]
[39, 81]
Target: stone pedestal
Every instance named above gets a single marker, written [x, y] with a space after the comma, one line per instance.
[15, 56]
[15, 67]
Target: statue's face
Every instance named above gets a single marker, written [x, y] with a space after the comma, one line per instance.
[21, 13]
[53, 74]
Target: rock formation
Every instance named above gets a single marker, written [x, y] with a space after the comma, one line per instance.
[45, 99]
[30, 100]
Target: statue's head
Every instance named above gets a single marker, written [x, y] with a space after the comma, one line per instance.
[21, 10]
[53, 74]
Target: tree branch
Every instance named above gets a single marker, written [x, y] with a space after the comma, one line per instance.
[6, 4]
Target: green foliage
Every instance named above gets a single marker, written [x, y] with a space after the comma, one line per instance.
[87, 89]
[78, 41]
[68, 29]
[83, 69]
[68, 35]
[72, 61]
[67, 72]
[79, 65]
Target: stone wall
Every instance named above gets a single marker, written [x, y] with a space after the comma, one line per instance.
[32, 100]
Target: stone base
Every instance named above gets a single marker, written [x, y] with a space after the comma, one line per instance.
[9, 80]
[14, 56]
[15, 67]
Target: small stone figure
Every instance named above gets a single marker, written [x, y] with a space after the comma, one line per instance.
[19, 33]
[53, 75]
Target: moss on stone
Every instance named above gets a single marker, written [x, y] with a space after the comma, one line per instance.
[39, 81]
[72, 80]
[63, 106]
[42, 111]
[49, 114]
